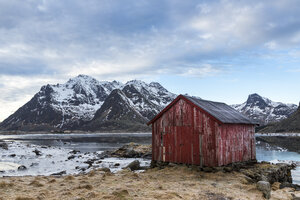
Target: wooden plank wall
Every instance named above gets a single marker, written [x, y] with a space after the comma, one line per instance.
[236, 143]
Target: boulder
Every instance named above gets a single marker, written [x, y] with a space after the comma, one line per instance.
[22, 168]
[134, 165]
[71, 157]
[265, 187]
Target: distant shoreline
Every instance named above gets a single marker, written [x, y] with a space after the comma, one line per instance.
[65, 133]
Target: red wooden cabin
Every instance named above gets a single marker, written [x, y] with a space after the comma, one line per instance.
[199, 132]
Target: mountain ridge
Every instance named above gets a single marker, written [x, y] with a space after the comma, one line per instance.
[86, 104]
[72, 105]
[263, 110]
[288, 125]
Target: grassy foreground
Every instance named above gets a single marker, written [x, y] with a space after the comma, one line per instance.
[179, 182]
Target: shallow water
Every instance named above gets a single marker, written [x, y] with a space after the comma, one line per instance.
[56, 149]
[91, 146]
[265, 152]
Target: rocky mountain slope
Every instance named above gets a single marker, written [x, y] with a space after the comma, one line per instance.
[265, 111]
[289, 125]
[83, 103]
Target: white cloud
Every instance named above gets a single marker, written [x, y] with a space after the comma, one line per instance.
[201, 71]
[140, 39]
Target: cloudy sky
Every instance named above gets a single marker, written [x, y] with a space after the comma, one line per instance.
[218, 50]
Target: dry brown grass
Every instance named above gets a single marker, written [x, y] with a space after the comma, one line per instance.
[24, 198]
[170, 183]
[36, 183]
[69, 178]
[3, 184]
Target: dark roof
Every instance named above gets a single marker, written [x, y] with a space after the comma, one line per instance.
[221, 111]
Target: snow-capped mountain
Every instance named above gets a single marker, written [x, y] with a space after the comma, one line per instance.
[263, 110]
[73, 105]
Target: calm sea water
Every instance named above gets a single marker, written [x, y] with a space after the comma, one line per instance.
[103, 141]
[82, 142]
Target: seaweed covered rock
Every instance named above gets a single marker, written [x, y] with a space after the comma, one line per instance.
[133, 150]
[272, 173]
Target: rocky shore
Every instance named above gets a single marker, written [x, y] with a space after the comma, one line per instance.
[249, 180]
[165, 182]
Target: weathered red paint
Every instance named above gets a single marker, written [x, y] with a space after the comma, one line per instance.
[185, 133]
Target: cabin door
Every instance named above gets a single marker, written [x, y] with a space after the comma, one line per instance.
[184, 145]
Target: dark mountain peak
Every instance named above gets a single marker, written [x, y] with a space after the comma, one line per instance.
[252, 98]
[115, 92]
[257, 100]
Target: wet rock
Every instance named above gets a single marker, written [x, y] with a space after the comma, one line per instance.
[90, 162]
[22, 168]
[74, 152]
[71, 157]
[117, 164]
[134, 165]
[3, 145]
[37, 152]
[34, 164]
[265, 187]
[12, 155]
[58, 173]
